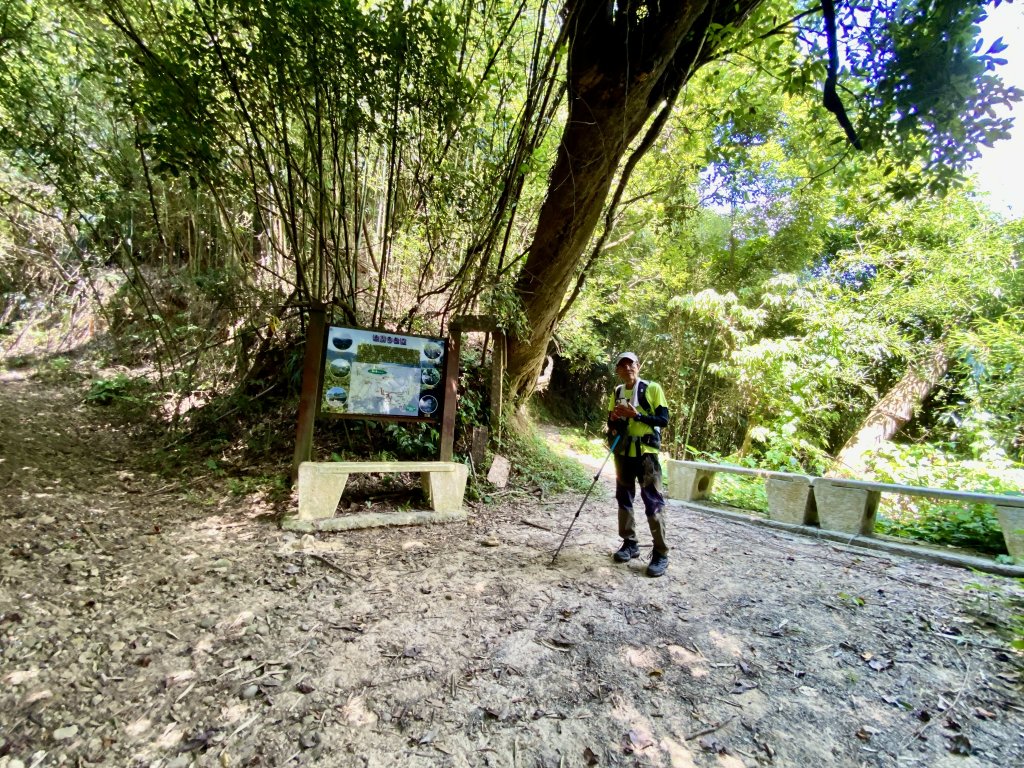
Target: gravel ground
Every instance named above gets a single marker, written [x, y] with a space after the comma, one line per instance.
[153, 621]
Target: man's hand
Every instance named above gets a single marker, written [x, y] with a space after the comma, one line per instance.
[625, 411]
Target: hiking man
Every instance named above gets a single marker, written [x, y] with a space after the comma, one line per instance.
[637, 413]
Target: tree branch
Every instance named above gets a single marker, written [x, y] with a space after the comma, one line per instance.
[831, 99]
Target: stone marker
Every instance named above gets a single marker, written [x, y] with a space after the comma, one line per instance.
[479, 445]
[498, 474]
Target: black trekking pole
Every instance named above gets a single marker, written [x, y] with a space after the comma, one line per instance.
[596, 478]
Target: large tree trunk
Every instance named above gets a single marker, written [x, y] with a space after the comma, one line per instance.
[625, 59]
[894, 410]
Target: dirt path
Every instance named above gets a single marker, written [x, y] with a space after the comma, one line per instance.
[148, 624]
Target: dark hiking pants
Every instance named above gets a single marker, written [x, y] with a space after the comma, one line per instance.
[645, 469]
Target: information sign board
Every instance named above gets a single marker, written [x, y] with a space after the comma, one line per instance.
[377, 375]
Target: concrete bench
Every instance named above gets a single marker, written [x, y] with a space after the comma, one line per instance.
[789, 495]
[850, 506]
[321, 484]
[845, 506]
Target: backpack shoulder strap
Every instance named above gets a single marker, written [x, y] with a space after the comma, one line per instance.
[642, 395]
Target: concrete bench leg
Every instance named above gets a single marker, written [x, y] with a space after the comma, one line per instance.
[848, 510]
[445, 489]
[791, 501]
[1011, 520]
[319, 492]
[688, 483]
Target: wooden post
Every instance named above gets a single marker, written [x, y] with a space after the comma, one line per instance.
[312, 368]
[480, 324]
[451, 392]
[498, 360]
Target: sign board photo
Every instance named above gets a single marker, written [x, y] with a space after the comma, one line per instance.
[378, 375]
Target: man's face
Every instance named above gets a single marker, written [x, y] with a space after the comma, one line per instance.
[627, 371]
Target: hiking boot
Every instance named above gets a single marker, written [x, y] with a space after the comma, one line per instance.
[627, 551]
[658, 564]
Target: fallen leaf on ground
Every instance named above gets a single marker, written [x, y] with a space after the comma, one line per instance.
[427, 738]
[19, 676]
[178, 677]
[562, 641]
[742, 686]
[634, 742]
[960, 745]
[198, 740]
[711, 744]
[35, 696]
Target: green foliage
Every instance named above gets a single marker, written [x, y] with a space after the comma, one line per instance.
[474, 396]
[786, 446]
[740, 491]
[413, 441]
[787, 365]
[238, 161]
[856, 321]
[537, 465]
[256, 158]
[583, 442]
[119, 388]
[55, 369]
[1002, 607]
[244, 486]
[919, 84]
[575, 397]
[972, 526]
[933, 87]
[358, 440]
[956, 525]
[991, 365]
[854, 600]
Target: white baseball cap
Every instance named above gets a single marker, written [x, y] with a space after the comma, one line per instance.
[627, 356]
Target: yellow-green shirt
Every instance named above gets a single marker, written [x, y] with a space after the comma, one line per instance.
[655, 397]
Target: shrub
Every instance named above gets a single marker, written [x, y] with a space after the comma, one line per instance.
[535, 461]
[119, 387]
[740, 491]
[972, 526]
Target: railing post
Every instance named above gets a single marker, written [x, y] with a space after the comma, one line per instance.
[451, 392]
[312, 365]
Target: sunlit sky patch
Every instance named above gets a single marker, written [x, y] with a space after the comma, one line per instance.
[1000, 170]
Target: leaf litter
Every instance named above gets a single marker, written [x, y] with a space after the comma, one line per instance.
[148, 624]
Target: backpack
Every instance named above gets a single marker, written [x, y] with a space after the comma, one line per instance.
[641, 396]
[654, 438]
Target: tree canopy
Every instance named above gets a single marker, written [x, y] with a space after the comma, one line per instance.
[671, 174]
[922, 87]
